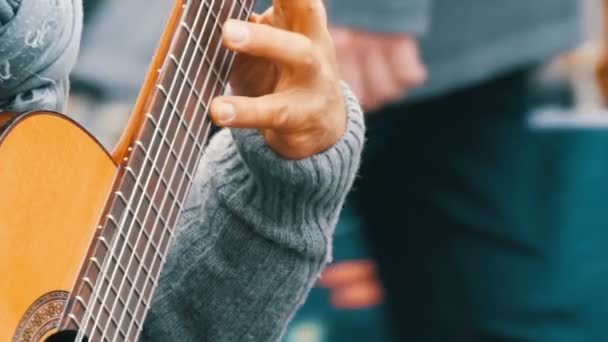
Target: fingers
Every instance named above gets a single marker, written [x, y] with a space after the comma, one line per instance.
[381, 84]
[264, 41]
[349, 61]
[344, 273]
[267, 112]
[351, 72]
[353, 285]
[307, 17]
[380, 68]
[405, 59]
[360, 295]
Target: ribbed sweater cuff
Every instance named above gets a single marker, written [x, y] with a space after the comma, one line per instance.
[294, 203]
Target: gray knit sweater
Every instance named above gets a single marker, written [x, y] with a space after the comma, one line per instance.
[257, 229]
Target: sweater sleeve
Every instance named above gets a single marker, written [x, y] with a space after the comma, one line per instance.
[254, 238]
[39, 41]
[388, 16]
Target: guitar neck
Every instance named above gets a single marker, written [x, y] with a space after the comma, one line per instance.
[158, 159]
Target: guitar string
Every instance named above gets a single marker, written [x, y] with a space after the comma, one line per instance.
[166, 201]
[204, 136]
[73, 317]
[197, 160]
[150, 276]
[103, 275]
[139, 206]
[129, 205]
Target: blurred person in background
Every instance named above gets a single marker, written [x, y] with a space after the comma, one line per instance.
[485, 228]
[117, 47]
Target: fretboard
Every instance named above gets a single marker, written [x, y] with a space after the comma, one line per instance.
[122, 269]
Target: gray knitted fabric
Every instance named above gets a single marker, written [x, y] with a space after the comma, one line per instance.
[257, 229]
[38, 48]
[256, 235]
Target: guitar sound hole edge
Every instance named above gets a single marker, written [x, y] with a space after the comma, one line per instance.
[65, 336]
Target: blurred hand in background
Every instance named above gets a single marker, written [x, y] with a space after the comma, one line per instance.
[353, 285]
[381, 68]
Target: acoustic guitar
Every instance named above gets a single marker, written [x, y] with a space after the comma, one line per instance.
[84, 233]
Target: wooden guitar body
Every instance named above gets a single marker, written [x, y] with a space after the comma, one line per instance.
[84, 234]
[54, 182]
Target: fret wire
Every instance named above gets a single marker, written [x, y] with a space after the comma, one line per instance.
[199, 51]
[133, 248]
[103, 307]
[189, 81]
[87, 282]
[157, 154]
[90, 314]
[192, 86]
[204, 58]
[194, 140]
[161, 179]
[198, 95]
[158, 252]
[232, 59]
[206, 136]
[170, 232]
[116, 293]
[213, 91]
[81, 301]
[147, 235]
[130, 210]
[74, 319]
[168, 100]
[166, 94]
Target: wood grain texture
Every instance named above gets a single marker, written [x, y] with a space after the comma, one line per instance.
[137, 117]
[55, 180]
[5, 117]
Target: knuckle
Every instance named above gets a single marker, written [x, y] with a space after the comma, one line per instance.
[310, 57]
[413, 76]
[280, 116]
[319, 9]
[342, 39]
[404, 76]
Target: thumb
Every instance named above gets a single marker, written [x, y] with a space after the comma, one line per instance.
[266, 112]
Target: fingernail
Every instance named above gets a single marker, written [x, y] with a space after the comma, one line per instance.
[225, 112]
[236, 32]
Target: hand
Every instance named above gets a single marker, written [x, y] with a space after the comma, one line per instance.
[380, 68]
[286, 81]
[353, 285]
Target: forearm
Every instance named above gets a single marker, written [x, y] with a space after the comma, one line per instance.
[39, 43]
[247, 257]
